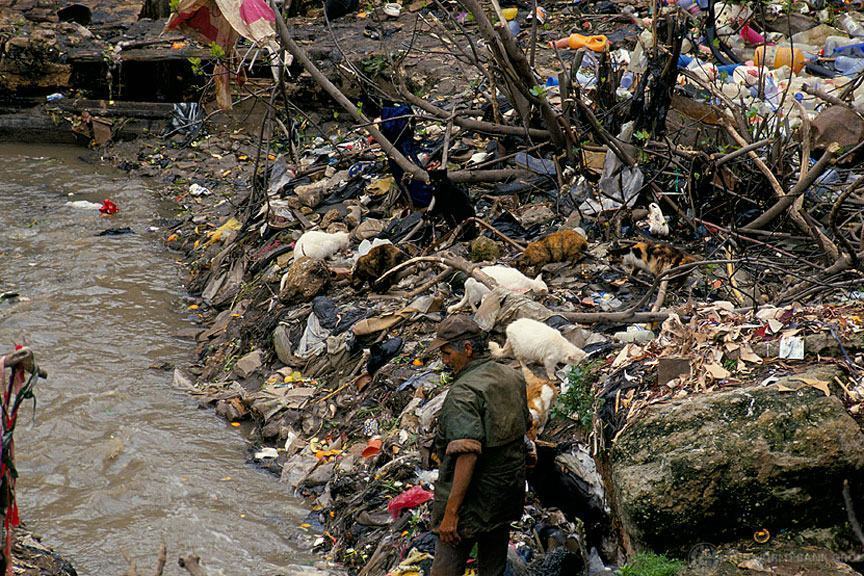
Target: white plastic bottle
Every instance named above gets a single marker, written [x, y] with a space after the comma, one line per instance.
[849, 66]
[850, 25]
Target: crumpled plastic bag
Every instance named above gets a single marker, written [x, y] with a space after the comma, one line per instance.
[619, 184]
[313, 340]
[411, 498]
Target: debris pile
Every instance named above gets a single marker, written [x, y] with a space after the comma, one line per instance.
[681, 218]
[672, 191]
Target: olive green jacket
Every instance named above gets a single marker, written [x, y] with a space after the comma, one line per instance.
[486, 412]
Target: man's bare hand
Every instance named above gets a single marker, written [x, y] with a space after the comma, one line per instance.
[447, 530]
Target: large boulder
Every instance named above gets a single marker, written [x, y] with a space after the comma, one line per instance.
[304, 279]
[717, 467]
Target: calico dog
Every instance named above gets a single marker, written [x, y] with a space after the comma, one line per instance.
[374, 264]
[560, 246]
[654, 259]
[541, 395]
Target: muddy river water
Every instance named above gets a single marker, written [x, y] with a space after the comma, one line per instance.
[117, 459]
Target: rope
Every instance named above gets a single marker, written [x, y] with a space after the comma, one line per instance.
[16, 390]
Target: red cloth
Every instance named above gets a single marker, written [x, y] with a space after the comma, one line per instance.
[411, 498]
[108, 207]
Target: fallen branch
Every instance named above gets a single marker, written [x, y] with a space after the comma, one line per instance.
[300, 55]
[787, 200]
[24, 358]
[835, 210]
[450, 261]
[476, 176]
[830, 98]
[631, 314]
[161, 560]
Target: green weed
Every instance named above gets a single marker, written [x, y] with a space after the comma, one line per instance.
[578, 401]
[648, 564]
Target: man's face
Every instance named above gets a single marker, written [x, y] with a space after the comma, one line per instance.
[457, 356]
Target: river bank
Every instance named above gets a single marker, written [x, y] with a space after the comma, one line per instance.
[109, 319]
[719, 427]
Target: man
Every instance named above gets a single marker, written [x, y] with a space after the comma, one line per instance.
[481, 449]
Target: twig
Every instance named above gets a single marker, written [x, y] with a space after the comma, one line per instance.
[786, 200]
[300, 55]
[661, 295]
[741, 151]
[760, 164]
[161, 560]
[835, 210]
[603, 134]
[484, 224]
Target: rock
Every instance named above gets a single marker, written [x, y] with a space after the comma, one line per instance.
[312, 194]
[305, 279]
[297, 468]
[354, 215]
[536, 214]
[708, 467]
[755, 560]
[282, 345]
[671, 368]
[320, 475]
[331, 216]
[369, 228]
[231, 409]
[484, 249]
[248, 364]
[836, 124]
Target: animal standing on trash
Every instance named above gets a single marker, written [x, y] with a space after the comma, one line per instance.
[374, 264]
[560, 246]
[541, 396]
[514, 281]
[481, 445]
[532, 341]
[657, 224]
[320, 245]
[474, 294]
[654, 258]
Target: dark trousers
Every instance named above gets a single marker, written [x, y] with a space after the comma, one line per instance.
[450, 560]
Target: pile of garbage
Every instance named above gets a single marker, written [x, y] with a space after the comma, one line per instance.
[676, 196]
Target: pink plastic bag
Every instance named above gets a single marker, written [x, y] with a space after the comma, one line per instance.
[254, 10]
[411, 498]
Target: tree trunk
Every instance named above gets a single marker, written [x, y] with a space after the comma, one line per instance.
[155, 9]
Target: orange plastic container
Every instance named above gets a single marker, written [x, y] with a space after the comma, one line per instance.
[575, 41]
[777, 56]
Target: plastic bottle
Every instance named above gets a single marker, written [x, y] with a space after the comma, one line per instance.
[576, 41]
[777, 56]
[832, 43]
[852, 50]
[850, 25]
[626, 80]
[849, 66]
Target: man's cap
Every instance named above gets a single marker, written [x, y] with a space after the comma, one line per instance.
[453, 329]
